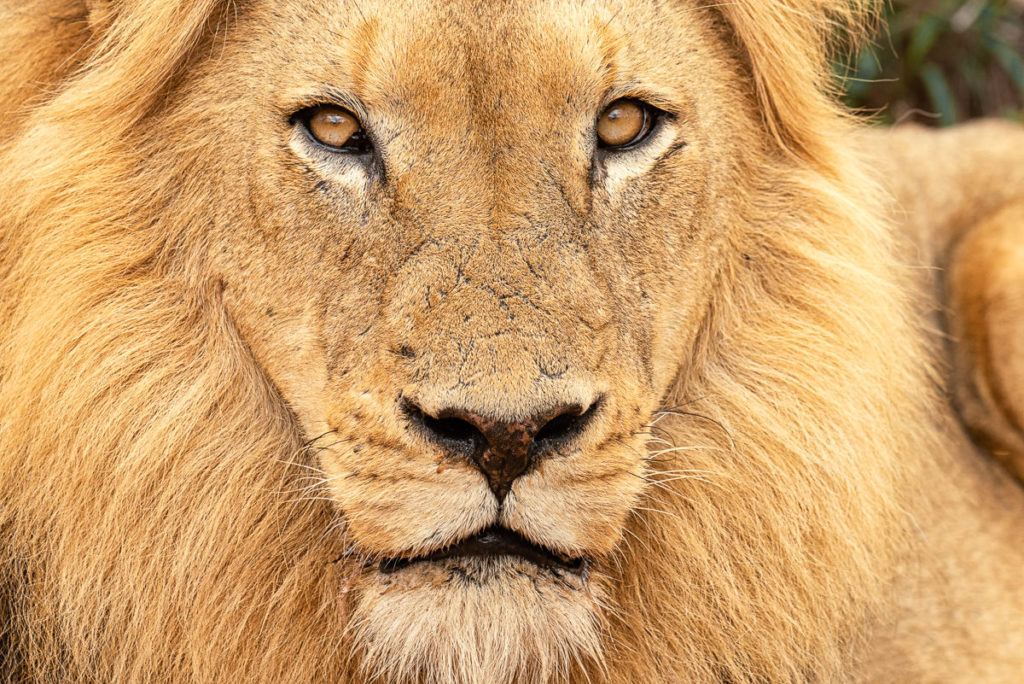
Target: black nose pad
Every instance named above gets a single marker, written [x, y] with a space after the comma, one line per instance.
[502, 450]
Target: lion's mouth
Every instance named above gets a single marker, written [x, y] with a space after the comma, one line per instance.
[492, 542]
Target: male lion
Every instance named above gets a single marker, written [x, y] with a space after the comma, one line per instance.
[448, 341]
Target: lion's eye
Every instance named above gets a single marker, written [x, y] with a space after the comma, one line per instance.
[336, 128]
[624, 123]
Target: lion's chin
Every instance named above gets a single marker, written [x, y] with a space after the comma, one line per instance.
[470, 620]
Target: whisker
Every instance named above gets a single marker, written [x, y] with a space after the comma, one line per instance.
[670, 450]
[298, 465]
[689, 414]
[635, 514]
[694, 478]
[689, 471]
[317, 438]
[310, 498]
[658, 510]
[634, 535]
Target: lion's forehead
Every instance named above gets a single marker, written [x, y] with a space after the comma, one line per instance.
[478, 73]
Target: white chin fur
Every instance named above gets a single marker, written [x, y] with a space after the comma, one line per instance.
[474, 621]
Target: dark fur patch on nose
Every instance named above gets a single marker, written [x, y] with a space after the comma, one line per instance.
[502, 450]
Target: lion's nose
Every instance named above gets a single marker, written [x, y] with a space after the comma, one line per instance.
[502, 450]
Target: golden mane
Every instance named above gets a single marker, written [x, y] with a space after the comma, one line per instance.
[788, 44]
[132, 410]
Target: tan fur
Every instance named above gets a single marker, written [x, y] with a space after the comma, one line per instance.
[208, 328]
[987, 290]
[960, 195]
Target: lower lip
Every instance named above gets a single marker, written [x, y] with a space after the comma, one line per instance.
[577, 568]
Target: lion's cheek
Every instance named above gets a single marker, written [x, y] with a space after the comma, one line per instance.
[576, 509]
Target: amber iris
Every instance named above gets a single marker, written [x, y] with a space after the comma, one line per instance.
[622, 124]
[335, 127]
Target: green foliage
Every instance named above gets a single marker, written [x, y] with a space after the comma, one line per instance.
[941, 62]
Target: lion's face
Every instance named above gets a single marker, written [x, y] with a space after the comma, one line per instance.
[473, 320]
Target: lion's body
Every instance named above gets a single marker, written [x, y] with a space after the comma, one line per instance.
[188, 307]
[958, 196]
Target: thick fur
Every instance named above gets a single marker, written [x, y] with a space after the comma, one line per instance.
[207, 327]
[973, 230]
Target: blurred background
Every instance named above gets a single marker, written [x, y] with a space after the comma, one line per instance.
[940, 62]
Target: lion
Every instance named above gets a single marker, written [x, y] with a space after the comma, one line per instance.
[444, 341]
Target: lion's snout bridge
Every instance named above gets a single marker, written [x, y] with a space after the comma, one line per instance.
[503, 450]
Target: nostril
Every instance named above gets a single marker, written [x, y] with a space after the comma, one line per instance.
[567, 424]
[450, 430]
[502, 450]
